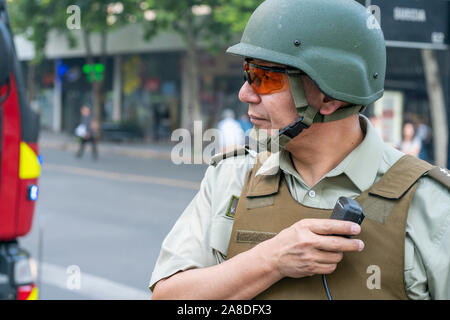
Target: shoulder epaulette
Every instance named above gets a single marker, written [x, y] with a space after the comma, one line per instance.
[400, 178]
[237, 151]
[441, 175]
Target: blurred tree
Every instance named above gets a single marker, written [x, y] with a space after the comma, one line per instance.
[235, 13]
[35, 30]
[201, 23]
[437, 106]
[205, 23]
[36, 18]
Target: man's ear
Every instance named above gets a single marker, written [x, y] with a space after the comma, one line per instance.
[329, 105]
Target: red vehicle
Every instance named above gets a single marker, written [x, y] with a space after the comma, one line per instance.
[19, 171]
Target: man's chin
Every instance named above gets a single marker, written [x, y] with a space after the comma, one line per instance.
[267, 131]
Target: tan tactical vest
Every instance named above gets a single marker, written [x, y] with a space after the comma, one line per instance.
[266, 207]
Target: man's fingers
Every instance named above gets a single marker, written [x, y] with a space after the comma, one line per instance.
[332, 226]
[327, 257]
[324, 268]
[339, 244]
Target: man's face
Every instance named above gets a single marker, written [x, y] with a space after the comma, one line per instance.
[408, 131]
[277, 110]
[269, 111]
[85, 111]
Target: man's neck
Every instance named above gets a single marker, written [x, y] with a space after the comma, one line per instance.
[319, 149]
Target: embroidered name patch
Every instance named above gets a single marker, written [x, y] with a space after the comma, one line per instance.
[231, 210]
[245, 236]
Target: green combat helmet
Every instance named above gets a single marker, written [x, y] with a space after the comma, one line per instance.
[337, 43]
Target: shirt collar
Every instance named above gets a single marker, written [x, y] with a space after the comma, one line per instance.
[360, 166]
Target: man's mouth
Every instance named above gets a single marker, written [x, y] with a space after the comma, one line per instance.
[256, 118]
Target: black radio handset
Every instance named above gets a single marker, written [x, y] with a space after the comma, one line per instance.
[346, 209]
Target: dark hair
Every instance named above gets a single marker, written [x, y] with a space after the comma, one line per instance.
[413, 125]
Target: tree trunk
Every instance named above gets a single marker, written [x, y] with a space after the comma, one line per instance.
[99, 91]
[437, 107]
[96, 86]
[194, 107]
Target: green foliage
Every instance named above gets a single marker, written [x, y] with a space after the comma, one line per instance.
[227, 17]
[30, 17]
[236, 13]
[35, 18]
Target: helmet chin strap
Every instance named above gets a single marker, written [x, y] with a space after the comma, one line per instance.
[307, 116]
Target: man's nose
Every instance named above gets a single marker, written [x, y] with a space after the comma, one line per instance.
[248, 95]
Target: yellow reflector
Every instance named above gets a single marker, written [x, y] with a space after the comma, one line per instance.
[34, 294]
[29, 164]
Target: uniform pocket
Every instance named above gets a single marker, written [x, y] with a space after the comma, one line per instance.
[220, 234]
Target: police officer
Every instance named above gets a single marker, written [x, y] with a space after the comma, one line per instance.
[259, 227]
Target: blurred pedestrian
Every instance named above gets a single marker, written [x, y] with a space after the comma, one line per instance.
[156, 122]
[230, 131]
[410, 144]
[86, 132]
[161, 121]
[425, 134]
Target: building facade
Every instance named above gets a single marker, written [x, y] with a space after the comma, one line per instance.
[146, 83]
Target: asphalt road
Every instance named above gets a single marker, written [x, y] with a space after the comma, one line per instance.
[100, 224]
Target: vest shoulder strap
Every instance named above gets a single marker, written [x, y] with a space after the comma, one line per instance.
[262, 185]
[441, 175]
[237, 151]
[400, 178]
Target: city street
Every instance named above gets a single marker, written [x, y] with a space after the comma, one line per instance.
[350, 97]
[104, 220]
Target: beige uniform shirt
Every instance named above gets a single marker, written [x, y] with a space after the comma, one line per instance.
[200, 236]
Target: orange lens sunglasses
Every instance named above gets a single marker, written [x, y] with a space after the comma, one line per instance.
[265, 80]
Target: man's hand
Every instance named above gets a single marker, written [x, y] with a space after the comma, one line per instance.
[305, 248]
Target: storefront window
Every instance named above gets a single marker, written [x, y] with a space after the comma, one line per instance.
[77, 85]
[150, 89]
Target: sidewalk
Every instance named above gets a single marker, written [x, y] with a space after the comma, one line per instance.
[63, 141]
